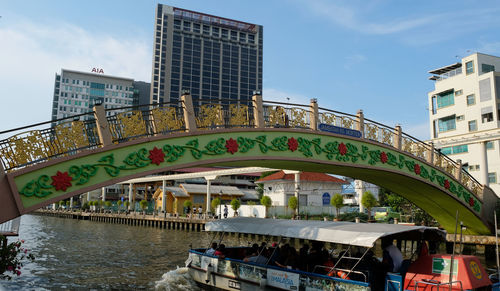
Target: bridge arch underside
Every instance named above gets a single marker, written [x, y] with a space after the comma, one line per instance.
[430, 188]
[437, 203]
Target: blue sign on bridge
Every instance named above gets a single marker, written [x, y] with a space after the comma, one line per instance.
[339, 130]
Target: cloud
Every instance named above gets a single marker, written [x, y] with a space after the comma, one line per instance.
[353, 60]
[364, 17]
[31, 54]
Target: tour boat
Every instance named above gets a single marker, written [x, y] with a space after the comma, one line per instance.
[352, 269]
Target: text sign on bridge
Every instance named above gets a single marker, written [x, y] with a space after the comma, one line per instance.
[339, 130]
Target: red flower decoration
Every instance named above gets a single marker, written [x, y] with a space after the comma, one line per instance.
[383, 157]
[471, 201]
[156, 156]
[292, 144]
[231, 146]
[417, 169]
[446, 184]
[61, 181]
[342, 149]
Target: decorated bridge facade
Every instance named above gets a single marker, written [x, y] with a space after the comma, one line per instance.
[107, 146]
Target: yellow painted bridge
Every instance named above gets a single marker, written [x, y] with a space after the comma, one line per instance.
[107, 146]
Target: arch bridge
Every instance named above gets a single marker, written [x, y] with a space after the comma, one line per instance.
[107, 146]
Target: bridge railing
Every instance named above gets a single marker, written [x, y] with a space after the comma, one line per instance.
[71, 135]
[222, 114]
[127, 123]
[279, 114]
[65, 136]
[337, 118]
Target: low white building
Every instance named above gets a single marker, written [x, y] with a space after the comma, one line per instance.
[315, 189]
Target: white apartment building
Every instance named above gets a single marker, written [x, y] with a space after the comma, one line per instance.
[465, 115]
[76, 92]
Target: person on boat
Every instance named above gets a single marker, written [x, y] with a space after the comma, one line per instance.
[211, 251]
[221, 251]
[392, 256]
[274, 253]
[316, 258]
[303, 253]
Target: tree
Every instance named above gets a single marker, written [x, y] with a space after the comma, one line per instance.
[188, 204]
[119, 203]
[108, 204]
[266, 201]
[368, 201]
[337, 202]
[215, 203]
[235, 205]
[127, 204]
[293, 203]
[143, 204]
[61, 203]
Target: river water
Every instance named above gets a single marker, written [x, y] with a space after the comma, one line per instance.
[84, 255]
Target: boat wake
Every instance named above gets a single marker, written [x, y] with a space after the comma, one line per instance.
[177, 279]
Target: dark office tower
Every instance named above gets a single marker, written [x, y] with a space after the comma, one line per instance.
[215, 58]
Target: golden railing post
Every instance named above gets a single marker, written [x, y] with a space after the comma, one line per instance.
[188, 110]
[430, 154]
[361, 123]
[313, 114]
[398, 137]
[258, 109]
[103, 129]
[458, 173]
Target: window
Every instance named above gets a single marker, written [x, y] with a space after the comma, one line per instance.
[471, 99]
[472, 125]
[490, 145]
[485, 68]
[460, 117]
[446, 123]
[492, 178]
[445, 99]
[487, 117]
[459, 92]
[469, 67]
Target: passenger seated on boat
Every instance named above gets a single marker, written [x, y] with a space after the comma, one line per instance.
[392, 256]
[221, 251]
[303, 253]
[288, 258]
[274, 254]
[211, 251]
[316, 257]
[254, 257]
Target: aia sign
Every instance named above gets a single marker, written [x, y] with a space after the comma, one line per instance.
[97, 70]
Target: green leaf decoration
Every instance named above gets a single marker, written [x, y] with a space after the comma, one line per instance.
[245, 144]
[216, 147]
[280, 144]
[261, 140]
[304, 147]
[173, 153]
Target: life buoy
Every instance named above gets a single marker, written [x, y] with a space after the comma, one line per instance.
[340, 274]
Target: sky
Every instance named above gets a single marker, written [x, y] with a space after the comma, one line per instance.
[349, 55]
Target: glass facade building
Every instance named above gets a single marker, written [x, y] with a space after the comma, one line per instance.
[215, 58]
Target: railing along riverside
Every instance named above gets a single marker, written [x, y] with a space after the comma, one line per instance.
[70, 135]
[66, 136]
[290, 115]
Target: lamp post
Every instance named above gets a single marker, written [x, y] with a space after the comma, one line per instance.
[220, 204]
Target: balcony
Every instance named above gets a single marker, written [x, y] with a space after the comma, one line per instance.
[446, 75]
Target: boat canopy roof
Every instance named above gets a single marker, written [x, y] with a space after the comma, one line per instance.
[348, 233]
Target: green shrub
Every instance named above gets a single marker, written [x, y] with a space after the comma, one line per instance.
[351, 216]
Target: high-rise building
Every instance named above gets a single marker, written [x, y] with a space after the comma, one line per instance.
[465, 115]
[215, 58]
[76, 92]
